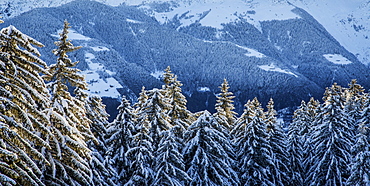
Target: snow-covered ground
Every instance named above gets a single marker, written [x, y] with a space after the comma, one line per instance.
[73, 35]
[274, 68]
[251, 52]
[203, 89]
[104, 87]
[347, 21]
[217, 12]
[337, 59]
[157, 74]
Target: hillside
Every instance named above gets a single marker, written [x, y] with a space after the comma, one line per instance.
[283, 52]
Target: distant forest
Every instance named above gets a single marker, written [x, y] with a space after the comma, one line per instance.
[54, 133]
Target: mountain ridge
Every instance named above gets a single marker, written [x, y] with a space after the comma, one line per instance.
[295, 57]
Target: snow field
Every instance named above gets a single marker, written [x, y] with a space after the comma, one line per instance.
[274, 68]
[337, 59]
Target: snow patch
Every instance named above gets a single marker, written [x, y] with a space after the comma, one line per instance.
[72, 35]
[215, 13]
[100, 48]
[251, 52]
[337, 59]
[157, 74]
[102, 86]
[274, 68]
[347, 21]
[133, 21]
[203, 89]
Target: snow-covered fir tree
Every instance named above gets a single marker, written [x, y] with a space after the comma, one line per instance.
[277, 141]
[154, 112]
[225, 114]
[103, 173]
[331, 139]
[306, 121]
[120, 138]
[179, 116]
[140, 157]
[206, 153]
[295, 146]
[238, 131]
[69, 156]
[360, 166]
[365, 113]
[169, 164]
[23, 100]
[253, 153]
[143, 97]
[353, 103]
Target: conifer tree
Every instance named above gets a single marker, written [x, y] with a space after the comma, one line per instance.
[332, 140]
[143, 97]
[206, 153]
[365, 113]
[240, 124]
[253, 150]
[295, 146]
[103, 173]
[69, 156]
[154, 112]
[120, 139]
[277, 141]
[168, 78]
[224, 106]
[307, 121]
[23, 100]
[353, 106]
[169, 164]
[140, 157]
[180, 117]
[360, 166]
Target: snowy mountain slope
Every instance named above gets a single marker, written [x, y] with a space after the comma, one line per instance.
[347, 21]
[289, 53]
[12, 8]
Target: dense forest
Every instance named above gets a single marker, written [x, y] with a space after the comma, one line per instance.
[54, 133]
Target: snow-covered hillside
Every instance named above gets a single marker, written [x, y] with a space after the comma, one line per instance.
[258, 46]
[347, 21]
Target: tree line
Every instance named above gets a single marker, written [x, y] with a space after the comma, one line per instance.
[51, 136]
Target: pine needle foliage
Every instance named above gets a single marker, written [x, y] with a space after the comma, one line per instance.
[360, 166]
[140, 157]
[70, 155]
[331, 139]
[169, 163]
[154, 112]
[295, 146]
[23, 101]
[225, 113]
[278, 142]
[253, 151]
[120, 139]
[206, 153]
